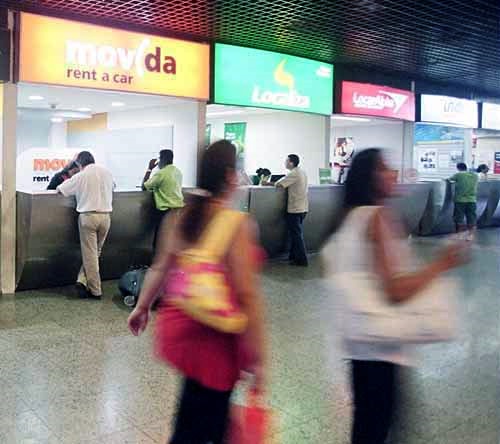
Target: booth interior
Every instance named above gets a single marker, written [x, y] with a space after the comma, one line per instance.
[123, 131]
[351, 133]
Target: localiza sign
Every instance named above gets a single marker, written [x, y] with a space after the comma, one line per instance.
[374, 100]
[448, 110]
[63, 52]
[252, 77]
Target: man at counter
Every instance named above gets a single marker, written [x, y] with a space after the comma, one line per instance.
[93, 190]
[297, 207]
[465, 200]
[66, 173]
[166, 186]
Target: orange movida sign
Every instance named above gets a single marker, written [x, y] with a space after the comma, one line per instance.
[49, 164]
[63, 52]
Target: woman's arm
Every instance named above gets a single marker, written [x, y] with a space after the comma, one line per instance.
[155, 275]
[242, 268]
[403, 286]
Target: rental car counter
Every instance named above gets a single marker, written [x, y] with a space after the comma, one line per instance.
[48, 250]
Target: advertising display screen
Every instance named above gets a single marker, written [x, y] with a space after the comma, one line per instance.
[63, 52]
[491, 116]
[379, 101]
[264, 79]
[448, 110]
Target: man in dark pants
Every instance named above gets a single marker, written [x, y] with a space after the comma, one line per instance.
[166, 186]
[297, 206]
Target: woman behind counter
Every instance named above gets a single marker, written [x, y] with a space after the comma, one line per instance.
[66, 173]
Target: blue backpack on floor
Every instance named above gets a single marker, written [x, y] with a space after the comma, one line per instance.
[130, 285]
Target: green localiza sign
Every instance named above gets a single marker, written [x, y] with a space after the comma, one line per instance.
[252, 77]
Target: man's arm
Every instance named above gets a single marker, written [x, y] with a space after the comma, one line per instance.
[152, 164]
[288, 180]
[69, 187]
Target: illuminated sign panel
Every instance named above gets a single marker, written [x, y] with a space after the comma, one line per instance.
[448, 110]
[379, 101]
[491, 116]
[252, 77]
[62, 52]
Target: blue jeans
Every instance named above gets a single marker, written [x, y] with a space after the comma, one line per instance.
[295, 222]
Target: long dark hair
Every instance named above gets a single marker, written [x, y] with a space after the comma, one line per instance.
[218, 160]
[361, 188]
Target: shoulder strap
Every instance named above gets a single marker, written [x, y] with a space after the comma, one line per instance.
[220, 231]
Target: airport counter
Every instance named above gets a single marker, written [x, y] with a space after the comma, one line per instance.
[48, 250]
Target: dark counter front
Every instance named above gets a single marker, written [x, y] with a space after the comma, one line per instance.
[48, 250]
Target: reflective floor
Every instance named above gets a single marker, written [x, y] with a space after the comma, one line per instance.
[71, 373]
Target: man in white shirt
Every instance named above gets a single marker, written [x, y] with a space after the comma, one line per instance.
[297, 207]
[93, 190]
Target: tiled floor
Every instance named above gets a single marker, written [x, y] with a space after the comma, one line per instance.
[71, 373]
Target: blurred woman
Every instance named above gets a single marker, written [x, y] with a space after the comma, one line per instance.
[209, 360]
[371, 240]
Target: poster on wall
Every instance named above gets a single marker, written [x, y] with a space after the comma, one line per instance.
[496, 167]
[343, 153]
[208, 134]
[236, 132]
[427, 160]
[438, 149]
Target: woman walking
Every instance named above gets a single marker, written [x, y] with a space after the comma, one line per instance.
[209, 360]
[370, 242]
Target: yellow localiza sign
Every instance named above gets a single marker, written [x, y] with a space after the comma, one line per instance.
[63, 52]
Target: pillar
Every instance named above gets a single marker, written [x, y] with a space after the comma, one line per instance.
[202, 123]
[8, 196]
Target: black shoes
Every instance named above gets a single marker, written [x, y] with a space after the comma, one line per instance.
[84, 293]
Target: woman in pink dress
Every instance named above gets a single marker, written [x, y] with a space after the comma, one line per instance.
[209, 360]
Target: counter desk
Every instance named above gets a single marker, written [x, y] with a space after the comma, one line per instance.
[48, 251]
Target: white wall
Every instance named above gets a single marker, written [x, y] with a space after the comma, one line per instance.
[32, 133]
[57, 135]
[271, 137]
[385, 135]
[183, 116]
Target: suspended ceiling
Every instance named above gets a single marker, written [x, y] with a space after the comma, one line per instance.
[455, 41]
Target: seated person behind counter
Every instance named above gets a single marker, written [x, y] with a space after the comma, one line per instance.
[166, 186]
[66, 173]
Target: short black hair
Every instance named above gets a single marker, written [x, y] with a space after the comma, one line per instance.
[166, 157]
[294, 159]
[482, 168]
[85, 158]
[461, 166]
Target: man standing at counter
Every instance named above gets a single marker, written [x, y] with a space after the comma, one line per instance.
[465, 200]
[166, 186]
[297, 207]
[93, 190]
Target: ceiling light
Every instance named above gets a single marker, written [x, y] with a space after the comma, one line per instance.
[84, 110]
[224, 113]
[117, 104]
[35, 97]
[56, 119]
[351, 119]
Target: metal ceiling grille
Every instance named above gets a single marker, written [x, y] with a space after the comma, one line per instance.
[447, 40]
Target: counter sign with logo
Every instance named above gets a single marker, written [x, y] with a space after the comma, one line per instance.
[374, 100]
[63, 52]
[252, 77]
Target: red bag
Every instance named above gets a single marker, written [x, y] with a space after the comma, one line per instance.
[251, 423]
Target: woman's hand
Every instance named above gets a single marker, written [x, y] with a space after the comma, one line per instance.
[138, 320]
[453, 256]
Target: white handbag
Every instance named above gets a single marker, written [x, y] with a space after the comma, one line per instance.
[368, 316]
